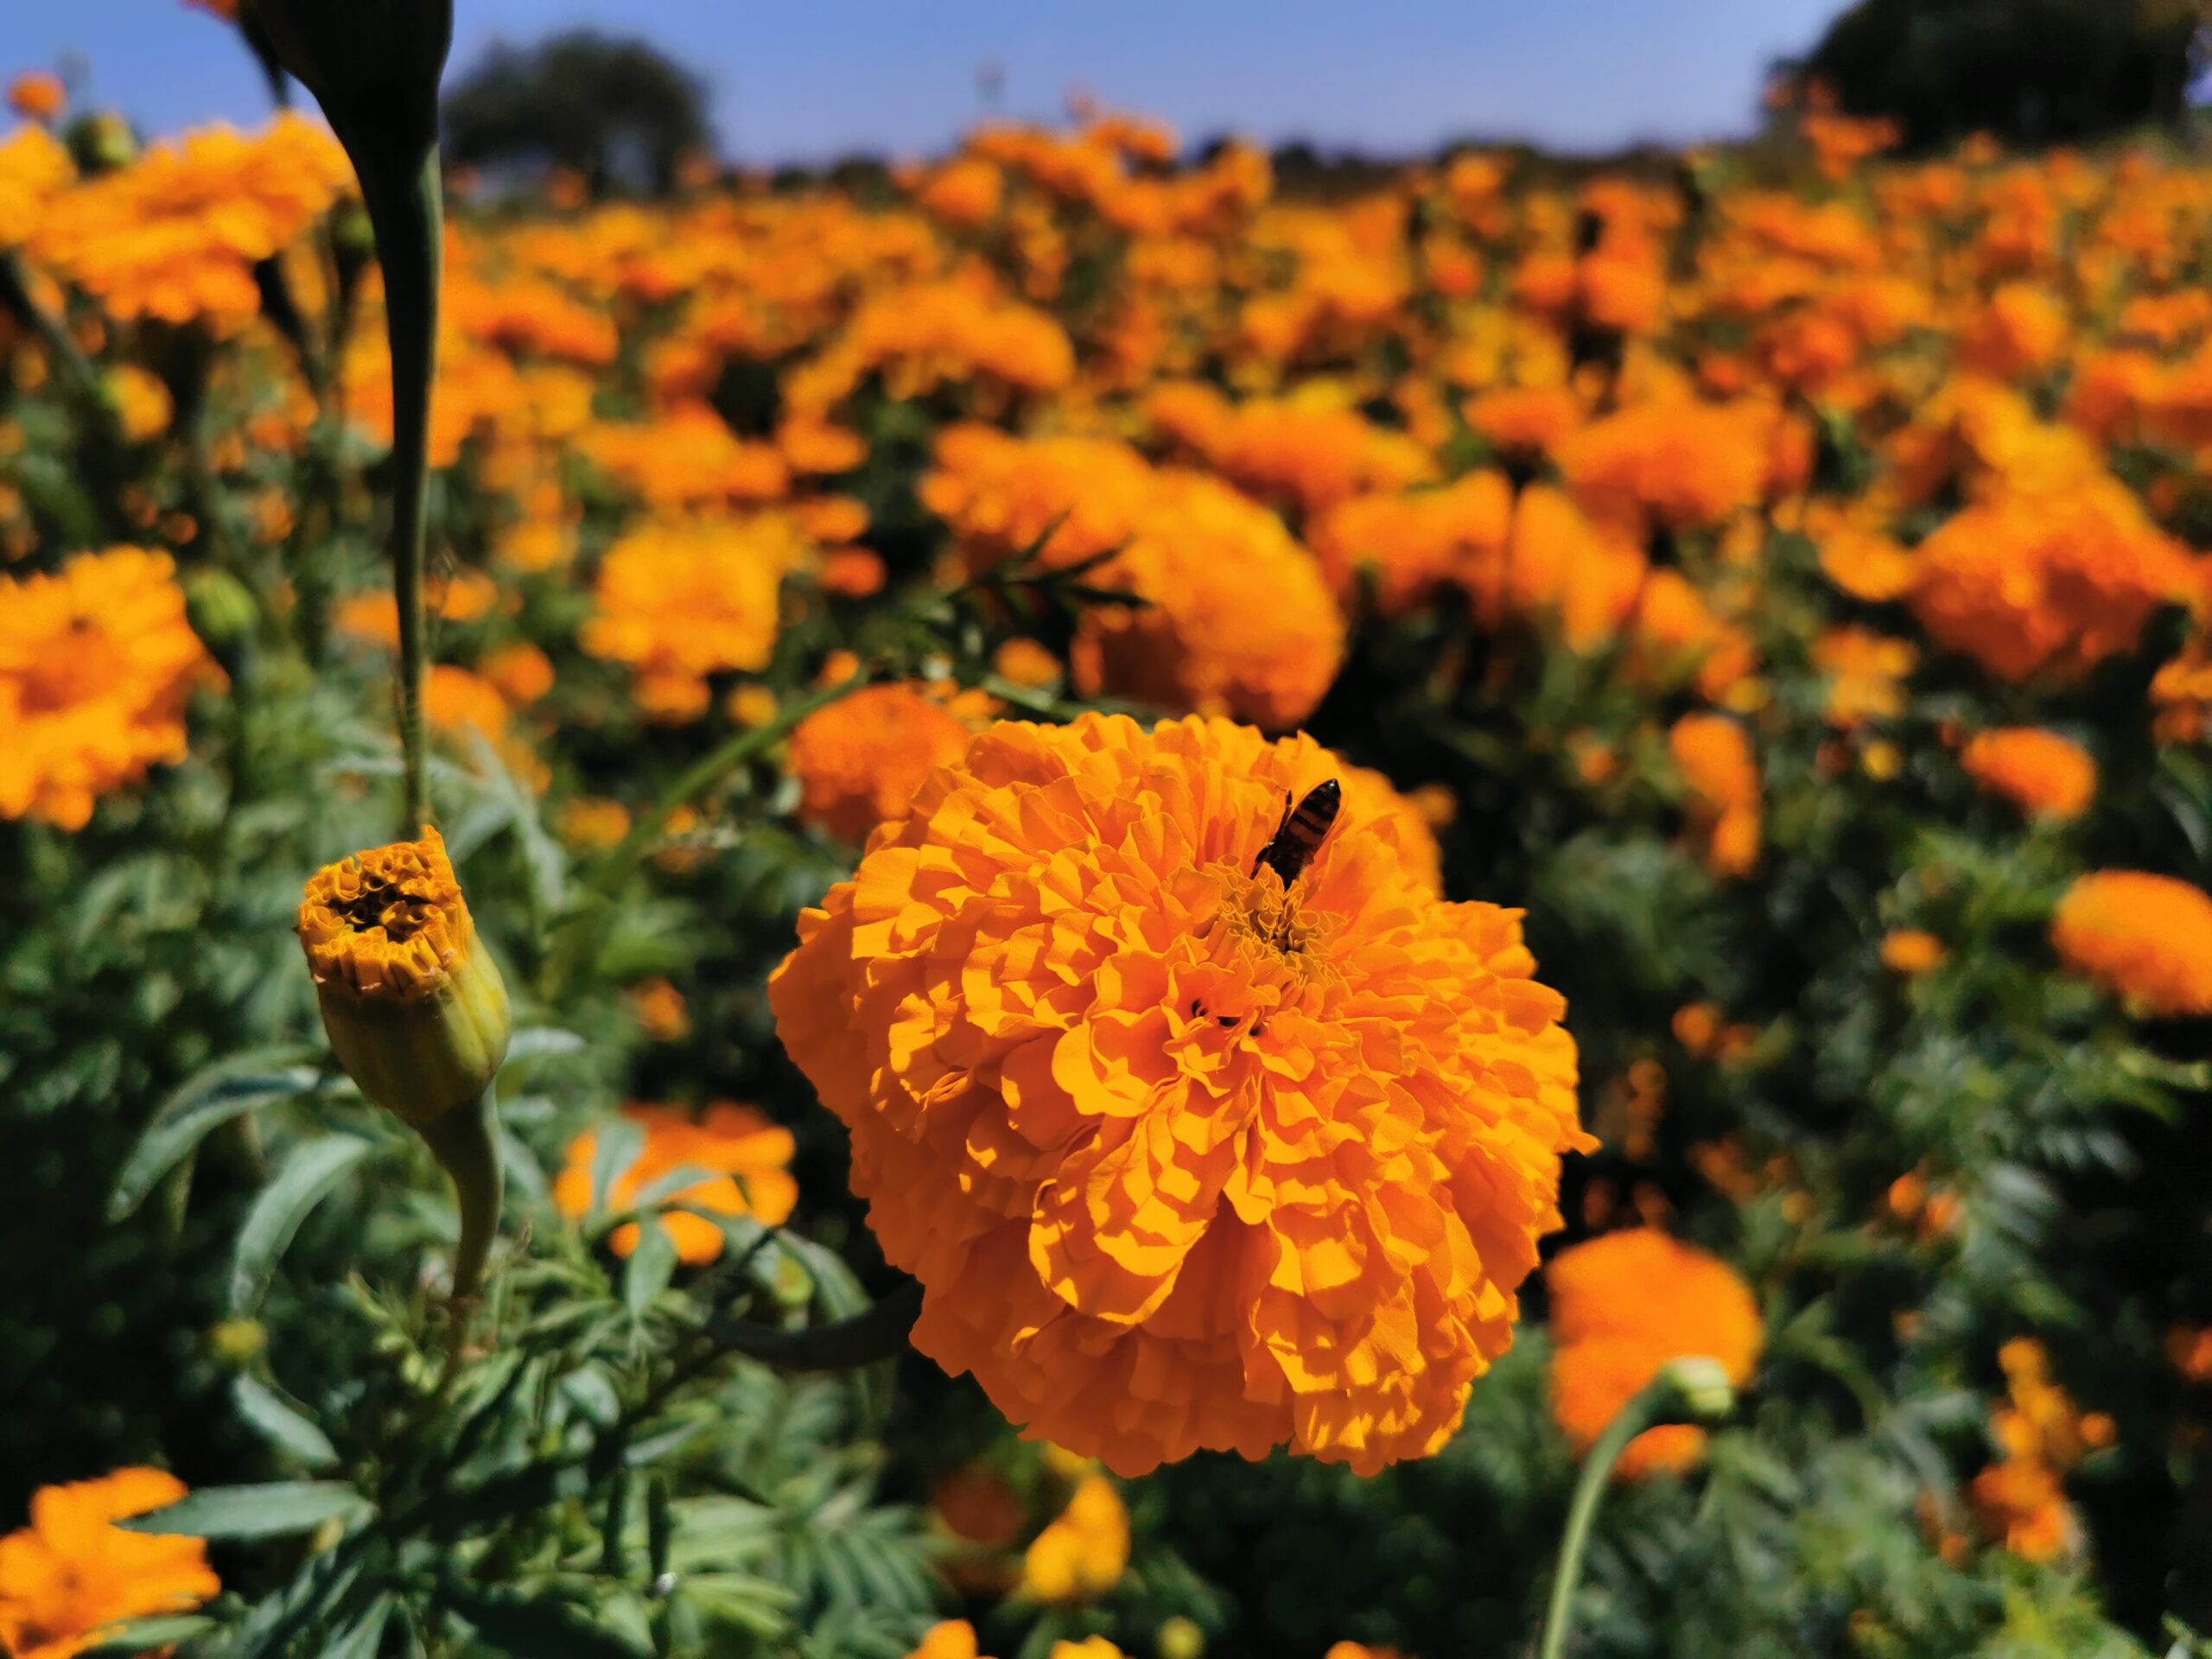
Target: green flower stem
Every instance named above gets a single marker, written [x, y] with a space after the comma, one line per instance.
[863, 1339]
[401, 189]
[465, 1142]
[1690, 1390]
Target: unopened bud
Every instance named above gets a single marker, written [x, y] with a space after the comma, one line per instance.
[1703, 1392]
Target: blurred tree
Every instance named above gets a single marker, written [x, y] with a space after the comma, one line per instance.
[616, 112]
[2032, 71]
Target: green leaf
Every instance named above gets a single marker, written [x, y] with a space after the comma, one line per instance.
[140, 1634]
[365, 1636]
[209, 1098]
[542, 1042]
[306, 1179]
[533, 1627]
[270, 1511]
[276, 1421]
[618, 1144]
[650, 1266]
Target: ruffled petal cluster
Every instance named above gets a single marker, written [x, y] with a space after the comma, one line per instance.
[72, 1576]
[97, 663]
[1182, 1157]
[2146, 939]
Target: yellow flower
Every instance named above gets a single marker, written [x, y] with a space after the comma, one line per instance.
[1184, 1156]
[415, 1008]
[1083, 1553]
[96, 665]
[71, 1576]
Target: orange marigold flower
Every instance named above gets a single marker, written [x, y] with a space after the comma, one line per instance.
[1084, 1552]
[2042, 773]
[2146, 939]
[679, 600]
[1089, 1046]
[176, 235]
[1025, 663]
[745, 1159]
[660, 1011]
[2059, 582]
[593, 822]
[1865, 673]
[1687, 465]
[1524, 421]
[1408, 545]
[1911, 950]
[37, 95]
[1625, 1304]
[97, 663]
[1713, 755]
[72, 1576]
[522, 672]
[860, 760]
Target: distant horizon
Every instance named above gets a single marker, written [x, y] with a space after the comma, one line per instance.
[888, 78]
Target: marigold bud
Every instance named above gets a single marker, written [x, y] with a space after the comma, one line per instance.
[1703, 1392]
[365, 60]
[416, 1010]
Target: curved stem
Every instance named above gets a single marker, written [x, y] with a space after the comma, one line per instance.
[878, 1334]
[467, 1145]
[1640, 1414]
[406, 210]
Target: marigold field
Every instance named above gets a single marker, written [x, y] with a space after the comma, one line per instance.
[1135, 903]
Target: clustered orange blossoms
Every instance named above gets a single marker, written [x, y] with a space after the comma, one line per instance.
[97, 663]
[2042, 773]
[71, 1576]
[860, 760]
[2018, 1499]
[1181, 1156]
[1623, 1306]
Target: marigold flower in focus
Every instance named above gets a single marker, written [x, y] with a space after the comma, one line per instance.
[97, 663]
[72, 1576]
[1713, 755]
[1084, 1552]
[1625, 1304]
[1091, 1051]
[745, 1160]
[860, 760]
[2044, 774]
[415, 1008]
[2146, 939]
[1911, 950]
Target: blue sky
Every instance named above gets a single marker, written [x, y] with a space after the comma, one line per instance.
[824, 77]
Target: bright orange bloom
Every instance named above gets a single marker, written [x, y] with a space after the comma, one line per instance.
[1408, 545]
[1911, 950]
[37, 95]
[71, 1576]
[1625, 1304]
[1084, 1552]
[2040, 1435]
[175, 236]
[1091, 1051]
[2059, 582]
[2042, 773]
[2146, 939]
[96, 665]
[1196, 549]
[1713, 755]
[677, 601]
[860, 760]
[744, 1158]
[1865, 673]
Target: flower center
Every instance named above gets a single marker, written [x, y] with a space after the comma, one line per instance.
[384, 903]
